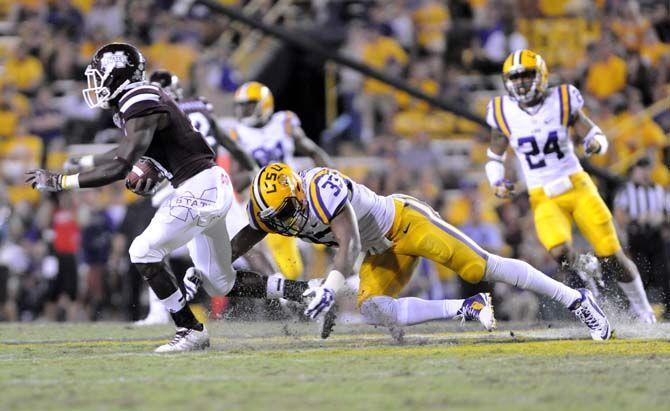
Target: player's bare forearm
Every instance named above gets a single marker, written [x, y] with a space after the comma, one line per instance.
[581, 125]
[306, 146]
[345, 229]
[106, 157]
[499, 142]
[244, 240]
[260, 261]
[137, 137]
[235, 150]
[589, 134]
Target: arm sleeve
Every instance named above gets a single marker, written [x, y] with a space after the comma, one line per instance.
[328, 194]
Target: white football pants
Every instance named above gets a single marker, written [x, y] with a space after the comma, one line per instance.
[194, 215]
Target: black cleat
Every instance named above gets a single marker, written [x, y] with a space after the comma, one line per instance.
[329, 322]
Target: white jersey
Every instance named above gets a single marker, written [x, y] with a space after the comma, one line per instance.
[328, 192]
[541, 141]
[271, 143]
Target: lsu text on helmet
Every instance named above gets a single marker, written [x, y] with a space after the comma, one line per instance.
[278, 199]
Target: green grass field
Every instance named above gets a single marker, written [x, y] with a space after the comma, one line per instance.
[274, 366]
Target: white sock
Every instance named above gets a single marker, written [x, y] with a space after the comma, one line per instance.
[388, 311]
[521, 274]
[413, 310]
[174, 302]
[275, 286]
[635, 293]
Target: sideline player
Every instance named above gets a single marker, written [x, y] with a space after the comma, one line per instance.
[535, 121]
[323, 206]
[154, 127]
[269, 137]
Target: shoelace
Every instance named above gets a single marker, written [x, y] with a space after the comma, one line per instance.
[467, 313]
[179, 336]
[588, 319]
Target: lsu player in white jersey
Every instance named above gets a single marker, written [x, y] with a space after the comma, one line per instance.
[323, 206]
[270, 136]
[535, 121]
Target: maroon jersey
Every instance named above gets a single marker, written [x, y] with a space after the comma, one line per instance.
[177, 147]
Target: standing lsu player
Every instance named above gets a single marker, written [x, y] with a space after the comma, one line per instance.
[323, 206]
[535, 121]
[273, 137]
[154, 127]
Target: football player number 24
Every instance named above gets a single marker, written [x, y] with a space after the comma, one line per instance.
[534, 156]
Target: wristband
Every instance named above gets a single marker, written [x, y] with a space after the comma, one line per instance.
[597, 134]
[70, 182]
[334, 281]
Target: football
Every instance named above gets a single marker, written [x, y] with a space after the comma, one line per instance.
[143, 170]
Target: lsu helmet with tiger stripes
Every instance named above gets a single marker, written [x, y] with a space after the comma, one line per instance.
[278, 199]
[525, 76]
[254, 104]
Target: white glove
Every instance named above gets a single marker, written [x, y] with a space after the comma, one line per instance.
[322, 299]
[192, 282]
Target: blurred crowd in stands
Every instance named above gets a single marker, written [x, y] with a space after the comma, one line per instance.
[65, 256]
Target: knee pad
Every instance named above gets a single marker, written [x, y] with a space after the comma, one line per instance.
[473, 272]
[380, 310]
[140, 252]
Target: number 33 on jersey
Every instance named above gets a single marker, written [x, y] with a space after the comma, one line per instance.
[540, 139]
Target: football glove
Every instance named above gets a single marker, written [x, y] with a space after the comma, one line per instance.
[503, 188]
[149, 187]
[322, 300]
[45, 180]
[192, 282]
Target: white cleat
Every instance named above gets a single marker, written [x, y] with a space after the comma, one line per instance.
[186, 339]
[478, 308]
[192, 282]
[588, 312]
